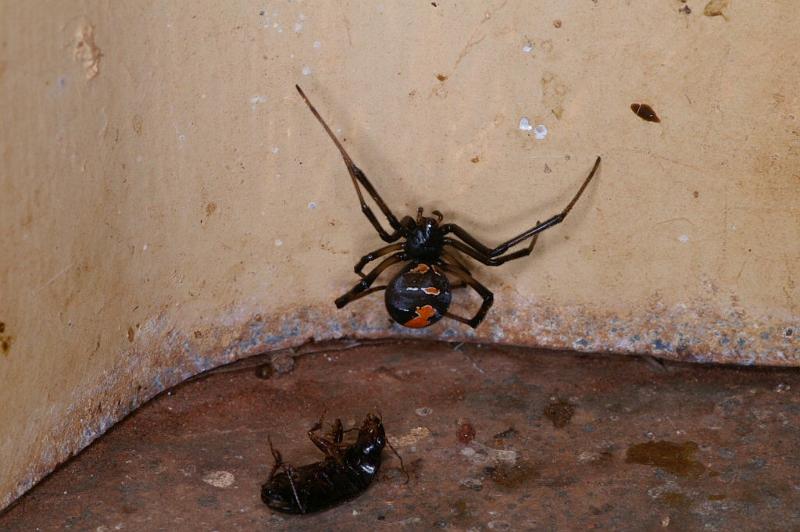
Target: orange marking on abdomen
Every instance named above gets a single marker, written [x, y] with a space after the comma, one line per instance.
[423, 319]
[431, 291]
[420, 268]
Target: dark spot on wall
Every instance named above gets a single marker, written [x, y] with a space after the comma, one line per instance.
[211, 207]
[476, 159]
[198, 334]
[645, 112]
[131, 334]
[556, 23]
[559, 413]
[434, 4]
[675, 458]
[441, 77]
[696, 194]
[686, 10]
[5, 339]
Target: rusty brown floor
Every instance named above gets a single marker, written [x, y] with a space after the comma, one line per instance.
[562, 442]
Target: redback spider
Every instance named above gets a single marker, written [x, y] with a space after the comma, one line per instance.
[419, 294]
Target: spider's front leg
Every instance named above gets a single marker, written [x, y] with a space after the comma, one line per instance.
[363, 287]
[372, 255]
[485, 293]
[493, 253]
[488, 260]
[357, 176]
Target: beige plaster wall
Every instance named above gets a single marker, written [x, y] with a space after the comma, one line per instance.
[159, 172]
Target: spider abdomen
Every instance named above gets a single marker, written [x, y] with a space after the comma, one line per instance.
[418, 296]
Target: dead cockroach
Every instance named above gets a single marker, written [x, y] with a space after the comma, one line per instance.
[345, 473]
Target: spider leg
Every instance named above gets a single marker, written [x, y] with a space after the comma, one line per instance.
[455, 258]
[363, 287]
[538, 228]
[452, 256]
[490, 261]
[485, 293]
[372, 255]
[359, 177]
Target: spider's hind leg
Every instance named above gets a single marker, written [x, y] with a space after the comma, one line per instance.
[485, 293]
[363, 287]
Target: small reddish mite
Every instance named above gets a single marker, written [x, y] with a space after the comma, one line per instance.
[465, 433]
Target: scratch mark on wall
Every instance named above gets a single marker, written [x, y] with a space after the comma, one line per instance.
[54, 278]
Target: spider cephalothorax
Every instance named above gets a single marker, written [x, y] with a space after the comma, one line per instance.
[419, 294]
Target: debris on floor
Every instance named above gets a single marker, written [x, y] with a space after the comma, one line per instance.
[508, 439]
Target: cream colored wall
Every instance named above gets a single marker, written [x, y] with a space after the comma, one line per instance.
[158, 170]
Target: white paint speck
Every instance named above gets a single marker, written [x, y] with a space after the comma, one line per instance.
[527, 47]
[255, 100]
[220, 479]
[684, 238]
[317, 44]
[144, 247]
[312, 205]
[278, 242]
[298, 27]
[540, 131]
[275, 150]
[525, 124]
[181, 138]
[306, 70]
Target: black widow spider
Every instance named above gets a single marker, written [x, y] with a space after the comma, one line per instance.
[419, 294]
